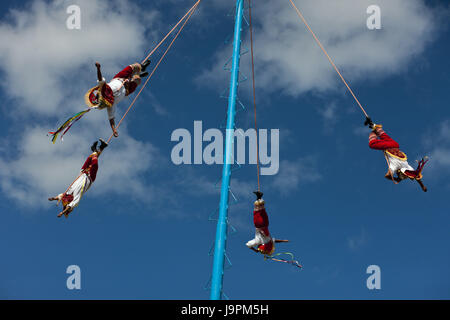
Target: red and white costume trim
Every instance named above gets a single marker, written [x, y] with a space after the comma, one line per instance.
[108, 95]
[73, 195]
[379, 140]
[263, 240]
[116, 87]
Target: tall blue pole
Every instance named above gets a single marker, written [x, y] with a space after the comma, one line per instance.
[222, 224]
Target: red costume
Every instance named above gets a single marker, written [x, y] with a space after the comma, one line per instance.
[397, 160]
[379, 140]
[113, 91]
[125, 75]
[90, 167]
[263, 240]
[87, 176]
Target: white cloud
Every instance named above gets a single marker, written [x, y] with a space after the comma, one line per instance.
[292, 174]
[329, 116]
[39, 169]
[288, 60]
[356, 242]
[361, 131]
[438, 143]
[195, 184]
[42, 59]
[123, 168]
[157, 107]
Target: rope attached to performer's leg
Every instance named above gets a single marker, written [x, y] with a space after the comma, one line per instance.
[192, 10]
[170, 32]
[329, 58]
[254, 92]
[69, 122]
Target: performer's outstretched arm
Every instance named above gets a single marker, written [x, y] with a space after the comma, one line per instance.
[279, 240]
[99, 72]
[113, 127]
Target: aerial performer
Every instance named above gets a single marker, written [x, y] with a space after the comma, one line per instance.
[398, 166]
[72, 196]
[108, 95]
[263, 242]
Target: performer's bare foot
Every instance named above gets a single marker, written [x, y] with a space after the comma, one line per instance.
[60, 214]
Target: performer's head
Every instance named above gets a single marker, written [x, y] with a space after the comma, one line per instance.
[267, 248]
[259, 204]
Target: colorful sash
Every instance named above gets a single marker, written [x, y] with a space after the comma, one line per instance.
[66, 125]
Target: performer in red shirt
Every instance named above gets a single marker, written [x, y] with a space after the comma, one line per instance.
[263, 241]
[108, 95]
[71, 198]
[397, 160]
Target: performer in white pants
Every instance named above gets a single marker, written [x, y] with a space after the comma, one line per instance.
[108, 95]
[263, 242]
[397, 160]
[71, 198]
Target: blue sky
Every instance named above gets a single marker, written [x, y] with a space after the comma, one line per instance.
[142, 230]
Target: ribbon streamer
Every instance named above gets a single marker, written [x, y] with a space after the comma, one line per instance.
[292, 261]
[67, 125]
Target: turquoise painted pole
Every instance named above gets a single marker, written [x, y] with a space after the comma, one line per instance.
[222, 224]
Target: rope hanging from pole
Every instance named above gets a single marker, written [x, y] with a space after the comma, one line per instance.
[328, 56]
[188, 14]
[279, 256]
[170, 32]
[62, 130]
[254, 92]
